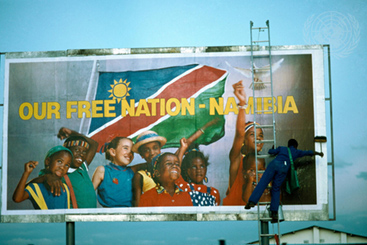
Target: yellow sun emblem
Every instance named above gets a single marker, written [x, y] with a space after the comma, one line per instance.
[119, 90]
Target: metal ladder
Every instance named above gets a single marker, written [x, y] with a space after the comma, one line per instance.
[261, 49]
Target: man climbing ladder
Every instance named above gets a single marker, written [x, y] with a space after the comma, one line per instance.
[277, 171]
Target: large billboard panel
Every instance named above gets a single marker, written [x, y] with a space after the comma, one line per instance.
[173, 93]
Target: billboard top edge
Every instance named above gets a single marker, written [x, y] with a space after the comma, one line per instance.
[163, 50]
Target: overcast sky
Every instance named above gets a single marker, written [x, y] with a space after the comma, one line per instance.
[90, 24]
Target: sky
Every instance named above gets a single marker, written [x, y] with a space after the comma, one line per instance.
[60, 25]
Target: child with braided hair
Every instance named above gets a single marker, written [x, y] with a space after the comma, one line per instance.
[193, 169]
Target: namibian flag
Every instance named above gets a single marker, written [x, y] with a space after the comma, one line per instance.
[172, 101]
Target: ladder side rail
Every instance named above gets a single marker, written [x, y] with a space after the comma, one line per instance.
[271, 84]
[253, 95]
[263, 221]
[273, 106]
[261, 224]
[253, 88]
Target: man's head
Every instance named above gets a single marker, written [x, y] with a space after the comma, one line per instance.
[293, 142]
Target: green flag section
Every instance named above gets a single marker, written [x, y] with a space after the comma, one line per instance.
[176, 127]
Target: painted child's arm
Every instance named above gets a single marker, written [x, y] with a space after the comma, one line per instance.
[98, 176]
[138, 167]
[247, 187]
[185, 143]
[181, 151]
[51, 182]
[93, 145]
[235, 156]
[201, 131]
[137, 189]
[20, 194]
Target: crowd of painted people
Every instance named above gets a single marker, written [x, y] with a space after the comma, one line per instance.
[165, 179]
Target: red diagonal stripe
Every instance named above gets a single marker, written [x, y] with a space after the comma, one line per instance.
[184, 87]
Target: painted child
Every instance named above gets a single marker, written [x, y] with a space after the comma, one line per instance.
[243, 143]
[194, 167]
[113, 182]
[166, 170]
[77, 178]
[249, 182]
[249, 176]
[149, 145]
[57, 163]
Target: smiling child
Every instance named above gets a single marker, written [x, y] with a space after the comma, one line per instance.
[166, 170]
[57, 163]
[114, 181]
[194, 167]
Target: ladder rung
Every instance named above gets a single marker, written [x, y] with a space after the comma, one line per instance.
[265, 219]
[260, 55]
[261, 83]
[256, 28]
[262, 97]
[264, 203]
[265, 126]
[265, 235]
[263, 111]
[264, 156]
[264, 141]
[262, 69]
[262, 41]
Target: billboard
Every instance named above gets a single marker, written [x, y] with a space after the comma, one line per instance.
[104, 94]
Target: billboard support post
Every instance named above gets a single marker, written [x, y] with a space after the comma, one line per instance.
[331, 163]
[70, 233]
[264, 232]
